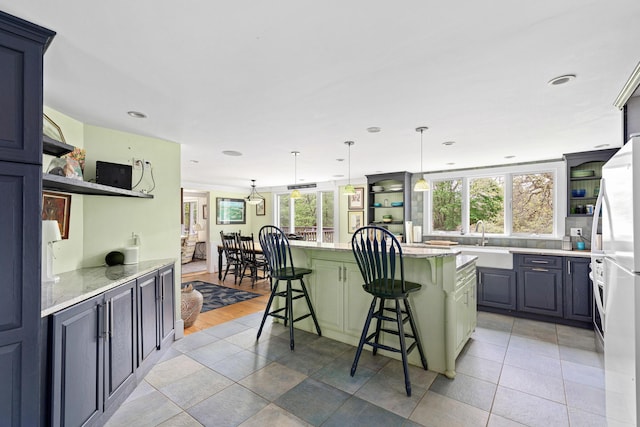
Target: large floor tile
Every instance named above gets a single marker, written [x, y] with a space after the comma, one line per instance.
[586, 419]
[576, 337]
[272, 347]
[535, 346]
[536, 330]
[543, 365]
[389, 393]
[585, 398]
[305, 360]
[491, 336]
[358, 412]
[476, 367]
[211, 354]
[149, 410]
[230, 407]
[485, 350]
[273, 380]
[498, 421]
[581, 356]
[226, 329]
[544, 386]
[332, 348]
[367, 359]
[195, 387]
[466, 389]
[172, 370]
[497, 322]
[435, 410]
[239, 365]
[193, 341]
[312, 401]
[338, 375]
[528, 409]
[244, 339]
[273, 415]
[583, 374]
[181, 420]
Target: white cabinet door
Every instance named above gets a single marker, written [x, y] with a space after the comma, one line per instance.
[327, 293]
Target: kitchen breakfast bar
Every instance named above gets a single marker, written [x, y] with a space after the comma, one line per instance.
[444, 309]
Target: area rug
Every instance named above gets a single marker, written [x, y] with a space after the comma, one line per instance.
[216, 296]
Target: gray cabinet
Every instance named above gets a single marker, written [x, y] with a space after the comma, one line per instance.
[389, 200]
[578, 290]
[94, 356]
[497, 288]
[155, 311]
[540, 284]
[148, 296]
[78, 364]
[22, 45]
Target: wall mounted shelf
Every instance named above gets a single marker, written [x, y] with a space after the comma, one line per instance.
[76, 186]
[55, 148]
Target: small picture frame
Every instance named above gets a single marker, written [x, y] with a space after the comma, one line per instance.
[51, 129]
[57, 206]
[356, 201]
[260, 208]
[205, 212]
[356, 220]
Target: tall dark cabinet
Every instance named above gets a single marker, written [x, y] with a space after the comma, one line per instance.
[22, 46]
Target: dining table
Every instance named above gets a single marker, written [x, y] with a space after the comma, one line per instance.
[257, 249]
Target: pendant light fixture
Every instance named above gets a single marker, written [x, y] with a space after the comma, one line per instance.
[295, 194]
[421, 184]
[348, 189]
[254, 198]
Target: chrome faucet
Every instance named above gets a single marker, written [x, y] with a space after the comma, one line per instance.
[483, 241]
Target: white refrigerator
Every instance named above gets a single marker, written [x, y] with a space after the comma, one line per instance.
[616, 274]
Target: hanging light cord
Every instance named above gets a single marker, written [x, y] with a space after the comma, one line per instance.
[421, 132]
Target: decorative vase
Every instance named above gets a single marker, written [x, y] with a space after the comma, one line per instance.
[191, 305]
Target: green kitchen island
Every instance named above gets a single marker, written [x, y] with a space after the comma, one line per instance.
[444, 309]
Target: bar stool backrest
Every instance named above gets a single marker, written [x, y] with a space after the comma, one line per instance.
[379, 257]
[276, 250]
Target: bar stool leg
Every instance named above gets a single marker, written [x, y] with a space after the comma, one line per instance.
[266, 311]
[379, 324]
[365, 330]
[289, 311]
[414, 330]
[313, 313]
[403, 349]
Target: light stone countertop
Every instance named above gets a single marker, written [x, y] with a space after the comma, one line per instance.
[512, 249]
[79, 285]
[407, 251]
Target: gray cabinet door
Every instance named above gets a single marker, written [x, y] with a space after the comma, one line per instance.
[497, 288]
[148, 316]
[167, 302]
[578, 291]
[77, 362]
[120, 340]
[540, 290]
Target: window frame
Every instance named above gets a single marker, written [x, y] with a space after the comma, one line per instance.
[556, 168]
[319, 190]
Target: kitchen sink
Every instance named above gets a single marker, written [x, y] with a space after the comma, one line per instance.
[488, 256]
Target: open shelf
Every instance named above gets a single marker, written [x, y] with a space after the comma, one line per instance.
[55, 148]
[76, 186]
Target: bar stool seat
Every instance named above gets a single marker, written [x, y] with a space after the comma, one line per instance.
[277, 252]
[379, 257]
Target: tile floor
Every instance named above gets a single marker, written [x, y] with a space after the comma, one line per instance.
[513, 372]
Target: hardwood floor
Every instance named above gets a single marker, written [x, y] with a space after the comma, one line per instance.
[224, 314]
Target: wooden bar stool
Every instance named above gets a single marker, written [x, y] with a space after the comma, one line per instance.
[379, 257]
[275, 247]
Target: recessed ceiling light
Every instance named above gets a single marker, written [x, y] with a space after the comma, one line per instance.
[601, 145]
[194, 161]
[338, 176]
[232, 153]
[137, 114]
[448, 143]
[560, 80]
[340, 160]
[450, 164]
[373, 129]
[509, 157]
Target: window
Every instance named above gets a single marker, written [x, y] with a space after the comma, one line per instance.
[510, 201]
[302, 216]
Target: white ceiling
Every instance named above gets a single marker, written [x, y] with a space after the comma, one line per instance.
[269, 77]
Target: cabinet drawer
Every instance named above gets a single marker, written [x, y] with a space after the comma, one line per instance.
[544, 261]
[465, 275]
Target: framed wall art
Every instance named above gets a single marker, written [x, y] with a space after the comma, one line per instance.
[260, 208]
[230, 211]
[57, 206]
[356, 201]
[356, 220]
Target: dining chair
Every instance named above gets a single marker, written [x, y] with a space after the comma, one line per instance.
[232, 254]
[379, 257]
[250, 259]
[277, 252]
